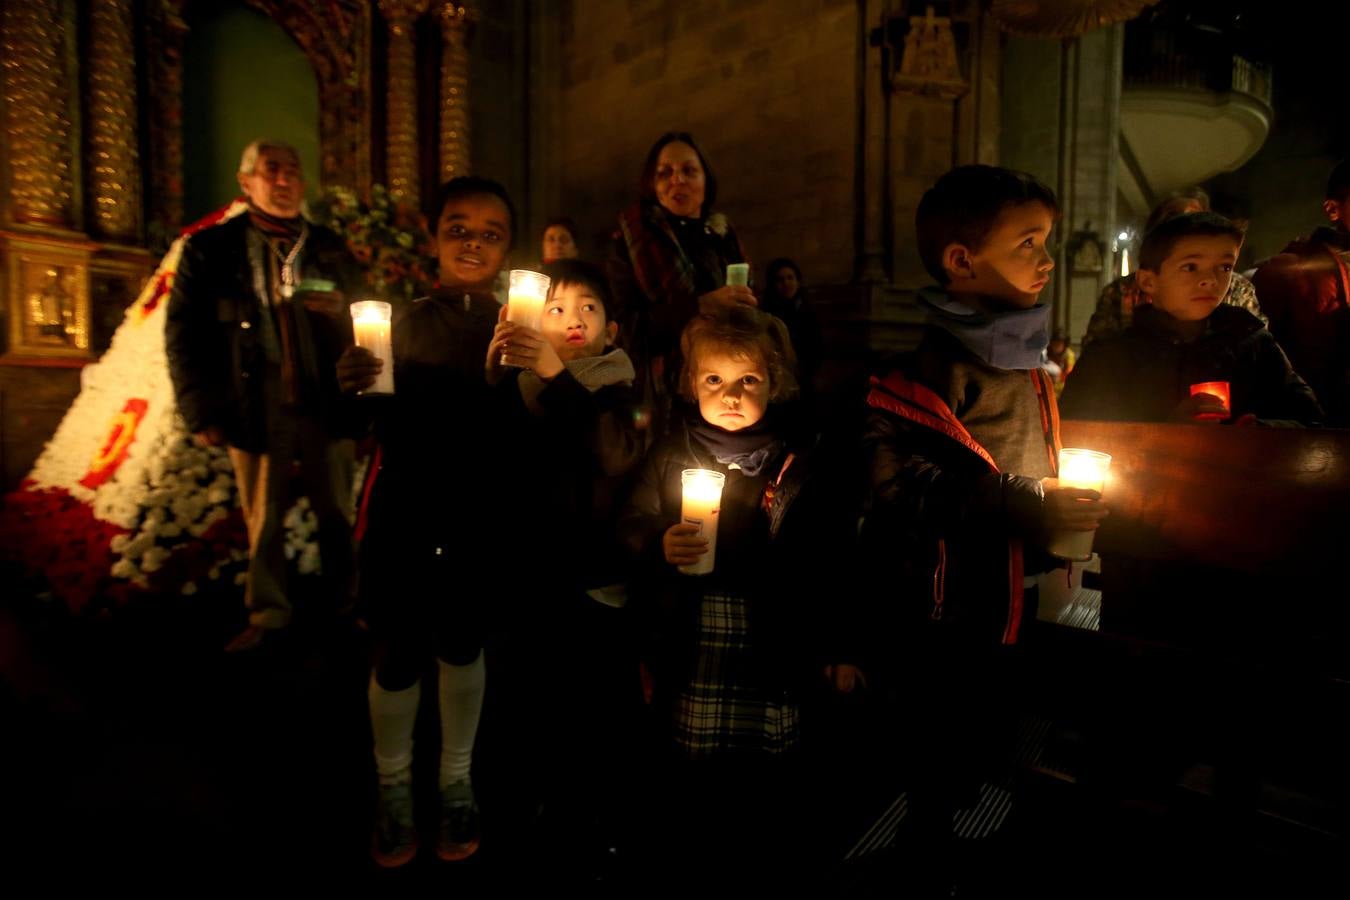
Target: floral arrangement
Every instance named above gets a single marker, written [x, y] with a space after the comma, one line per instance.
[389, 239]
[122, 500]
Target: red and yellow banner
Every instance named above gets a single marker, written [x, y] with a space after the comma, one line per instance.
[120, 435]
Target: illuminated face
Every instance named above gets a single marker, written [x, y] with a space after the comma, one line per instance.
[558, 243]
[1013, 266]
[472, 237]
[785, 283]
[275, 185]
[680, 181]
[1194, 277]
[732, 389]
[1338, 212]
[574, 322]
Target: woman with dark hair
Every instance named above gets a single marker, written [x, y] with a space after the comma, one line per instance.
[669, 262]
[560, 240]
[785, 297]
[1115, 307]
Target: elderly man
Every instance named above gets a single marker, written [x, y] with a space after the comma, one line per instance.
[256, 321]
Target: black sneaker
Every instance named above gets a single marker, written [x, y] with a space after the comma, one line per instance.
[459, 823]
[394, 842]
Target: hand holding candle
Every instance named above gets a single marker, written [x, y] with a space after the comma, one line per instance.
[371, 321]
[1073, 508]
[683, 545]
[700, 508]
[521, 347]
[1221, 392]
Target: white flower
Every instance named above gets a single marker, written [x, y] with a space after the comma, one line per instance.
[189, 589]
[139, 544]
[213, 573]
[119, 543]
[124, 568]
[309, 560]
[170, 530]
[154, 559]
[240, 577]
[718, 224]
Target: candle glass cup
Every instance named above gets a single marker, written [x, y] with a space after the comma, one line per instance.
[371, 326]
[1079, 469]
[701, 504]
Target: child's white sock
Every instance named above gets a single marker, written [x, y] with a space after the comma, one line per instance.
[392, 716]
[461, 700]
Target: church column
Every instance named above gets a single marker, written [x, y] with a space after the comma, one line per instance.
[37, 119]
[113, 170]
[401, 127]
[870, 263]
[44, 257]
[454, 91]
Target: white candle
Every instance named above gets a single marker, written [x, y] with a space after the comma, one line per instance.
[371, 327]
[1079, 469]
[738, 274]
[702, 506]
[525, 298]
[1124, 261]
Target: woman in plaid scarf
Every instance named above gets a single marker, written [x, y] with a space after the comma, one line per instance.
[669, 262]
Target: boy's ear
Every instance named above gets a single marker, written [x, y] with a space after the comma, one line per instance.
[958, 263]
[1147, 281]
[611, 333]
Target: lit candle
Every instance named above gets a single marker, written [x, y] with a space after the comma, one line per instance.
[370, 324]
[738, 274]
[701, 506]
[1219, 390]
[525, 300]
[1079, 469]
[1124, 261]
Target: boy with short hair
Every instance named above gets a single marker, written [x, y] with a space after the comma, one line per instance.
[1186, 336]
[961, 441]
[432, 526]
[570, 442]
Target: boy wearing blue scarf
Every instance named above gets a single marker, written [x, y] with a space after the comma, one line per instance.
[962, 440]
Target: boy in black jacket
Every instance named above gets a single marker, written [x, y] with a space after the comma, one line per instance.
[961, 439]
[1185, 336]
[571, 440]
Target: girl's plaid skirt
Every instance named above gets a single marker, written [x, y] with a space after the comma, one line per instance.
[722, 708]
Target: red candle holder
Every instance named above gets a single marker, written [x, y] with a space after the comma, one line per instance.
[1219, 389]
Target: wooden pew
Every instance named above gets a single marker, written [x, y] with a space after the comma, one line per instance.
[1248, 528]
[1225, 628]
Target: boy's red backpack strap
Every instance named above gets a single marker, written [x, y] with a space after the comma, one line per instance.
[363, 508]
[1016, 592]
[1045, 393]
[913, 401]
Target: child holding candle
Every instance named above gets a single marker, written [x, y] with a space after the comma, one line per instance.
[427, 547]
[961, 441]
[1185, 337]
[731, 651]
[569, 423]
